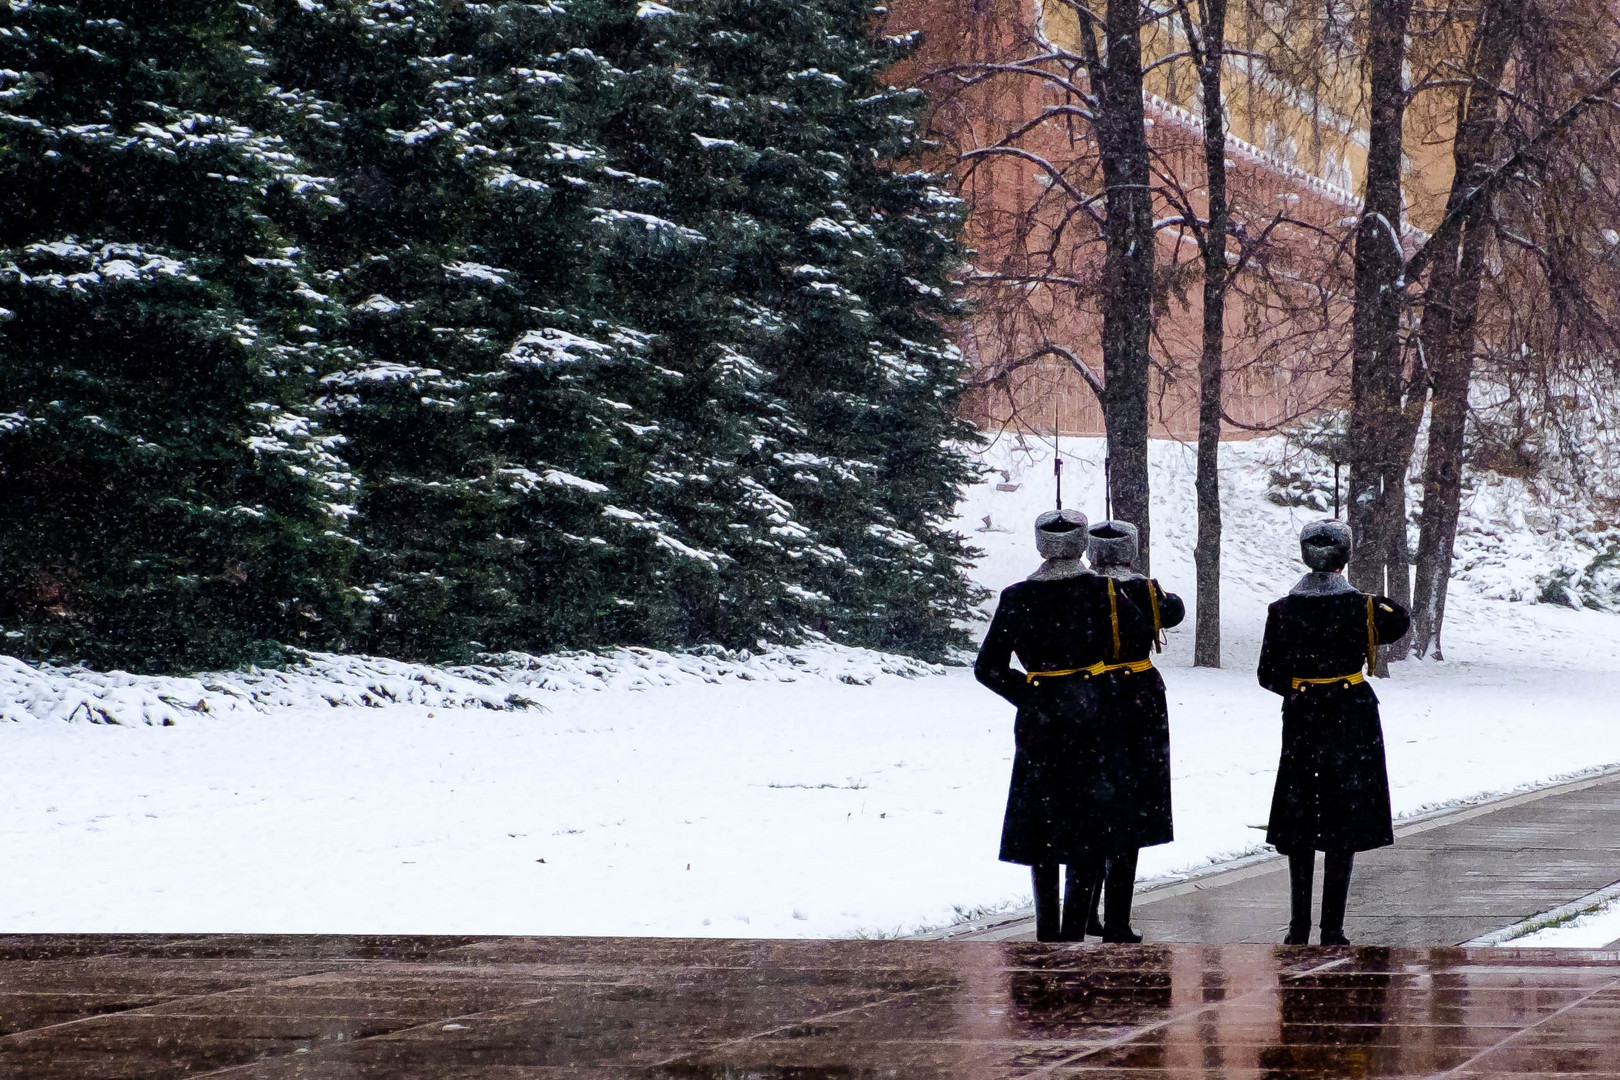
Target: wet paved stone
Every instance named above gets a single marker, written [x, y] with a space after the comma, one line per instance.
[527, 1008]
[1446, 880]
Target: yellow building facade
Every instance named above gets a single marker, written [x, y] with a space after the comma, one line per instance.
[1304, 104]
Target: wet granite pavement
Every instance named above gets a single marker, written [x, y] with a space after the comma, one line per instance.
[97, 1008]
[984, 1004]
[1448, 879]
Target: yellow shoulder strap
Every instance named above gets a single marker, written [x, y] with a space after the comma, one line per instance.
[1113, 615]
[1158, 627]
[1372, 640]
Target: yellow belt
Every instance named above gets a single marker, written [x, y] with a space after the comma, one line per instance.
[1351, 679]
[1135, 667]
[1099, 668]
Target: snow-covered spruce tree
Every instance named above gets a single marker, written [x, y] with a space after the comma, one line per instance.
[768, 323]
[164, 503]
[723, 392]
[410, 388]
[844, 262]
[644, 294]
[493, 406]
[581, 388]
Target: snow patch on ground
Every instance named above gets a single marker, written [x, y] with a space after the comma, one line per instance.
[1592, 930]
[810, 792]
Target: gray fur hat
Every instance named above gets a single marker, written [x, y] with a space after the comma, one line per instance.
[1112, 543]
[1061, 534]
[1326, 544]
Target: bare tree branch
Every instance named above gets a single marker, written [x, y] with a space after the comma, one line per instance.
[1168, 58]
[1446, 232]
[1057, 176]
[1000, 372]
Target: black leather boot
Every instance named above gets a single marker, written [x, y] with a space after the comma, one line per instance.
[1118, 891]
[1335, 895]
[1080, 885]
[1301, 869]
[1048, 914]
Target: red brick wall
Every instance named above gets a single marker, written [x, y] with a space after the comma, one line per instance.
[1287, 330]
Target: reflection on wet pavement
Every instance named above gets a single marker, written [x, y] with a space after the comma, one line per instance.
[510, 1008]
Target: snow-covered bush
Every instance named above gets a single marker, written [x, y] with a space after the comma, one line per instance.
[1595, 585]
[509, 682]
[1303, 482]
[1304, 474]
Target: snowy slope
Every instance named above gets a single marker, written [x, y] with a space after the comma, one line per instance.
[816, 791]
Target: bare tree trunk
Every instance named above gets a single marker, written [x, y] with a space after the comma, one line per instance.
[1397, 549]
[1400, 443]
[1442, 496]
[1376, 371]
[1450, 314]
[1211, 363]
[1127, 297]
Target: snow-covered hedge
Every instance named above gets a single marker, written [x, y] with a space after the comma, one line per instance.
[506, 682]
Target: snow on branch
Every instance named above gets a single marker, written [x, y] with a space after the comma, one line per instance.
[471, 271]
[999, 372]
[553, 346]
[385, 371]
[527, 479]
[93, 264]
[648, 222]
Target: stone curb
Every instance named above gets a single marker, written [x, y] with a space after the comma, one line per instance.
[1581, 906]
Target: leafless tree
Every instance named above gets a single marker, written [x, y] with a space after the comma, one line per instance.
[1537, 194]
[1451, 301]
[1205, 32]
[1099, 195]
[1377, 370]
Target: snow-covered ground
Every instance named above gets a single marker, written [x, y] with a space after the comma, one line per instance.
[1593, 930]
[819, 791]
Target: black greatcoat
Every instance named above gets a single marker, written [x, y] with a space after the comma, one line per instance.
[1135, 703]
[1063, 803]
[1332, 787]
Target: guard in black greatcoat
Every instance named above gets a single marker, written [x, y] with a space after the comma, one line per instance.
[1132, 698]
[1332, 790]
[1063, 805]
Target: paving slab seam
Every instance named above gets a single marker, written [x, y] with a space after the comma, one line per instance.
[1583, 999]
[316, 1055]
[799, 1023]
[1208, 1007]
[140, 1010]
